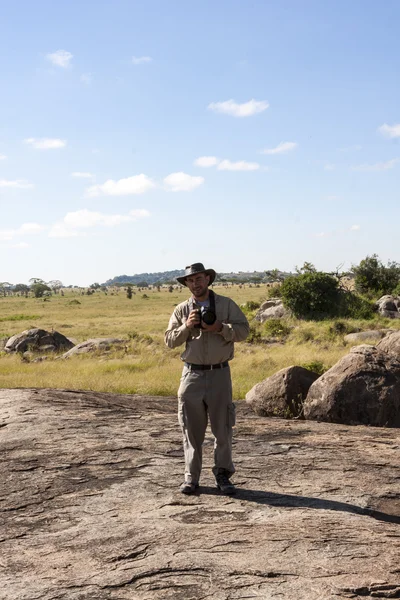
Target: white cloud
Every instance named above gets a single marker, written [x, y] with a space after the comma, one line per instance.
[61, 58]
[20, 245]
[241, 165]
[45, 143]
[247, 109]
[329, 167]
[3, 157]
[6, 234]
[60, 230]
[322, 234]
[74, 222]
[137, 184]
[82, 175]
[140, 60]
[382, 166]
[391, 131]
[206, 161]
[182, 182]
[355, 227]
[281, 148]
[86, 78]
[24, 229]
[16, 184]
[29, 228]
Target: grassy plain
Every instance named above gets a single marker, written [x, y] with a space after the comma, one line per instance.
[146, 365]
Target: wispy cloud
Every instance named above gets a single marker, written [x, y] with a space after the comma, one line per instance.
[137, 184]
[355, 228]
[86, 78]
[60, 58]
[19, 184]
[390, 131]
[281, 148]
[382, 166]
[226, 164]
[206, 161]
[3, 157]
[20, 245]
[82, 175]
[24, 229]
[45, 143]
[74, 223]
[247, 109]
[321, 234]
[141, 60]
[241, 165]
[182, 182]
[329, 167]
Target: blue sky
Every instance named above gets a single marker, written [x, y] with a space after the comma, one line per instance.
[142, 136]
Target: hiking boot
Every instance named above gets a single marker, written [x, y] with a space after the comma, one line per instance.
[189, 488]
[224, 484]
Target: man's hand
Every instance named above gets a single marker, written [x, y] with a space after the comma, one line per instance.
[214, 328]
[193, 319]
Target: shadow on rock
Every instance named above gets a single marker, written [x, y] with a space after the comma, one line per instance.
[289, 501]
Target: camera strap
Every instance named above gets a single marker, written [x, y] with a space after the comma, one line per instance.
[211, 297]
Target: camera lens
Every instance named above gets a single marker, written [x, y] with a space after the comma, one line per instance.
[208, 316]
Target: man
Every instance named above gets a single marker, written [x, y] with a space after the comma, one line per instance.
[209, 325]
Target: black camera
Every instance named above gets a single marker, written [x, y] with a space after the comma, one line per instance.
[207, 316]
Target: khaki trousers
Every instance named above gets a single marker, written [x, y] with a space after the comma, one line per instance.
[202, 394]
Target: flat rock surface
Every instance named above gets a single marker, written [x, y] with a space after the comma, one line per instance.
[89, 505]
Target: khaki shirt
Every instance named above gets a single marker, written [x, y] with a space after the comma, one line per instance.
[204, 347]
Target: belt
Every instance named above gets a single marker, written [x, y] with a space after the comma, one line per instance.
[207, 367]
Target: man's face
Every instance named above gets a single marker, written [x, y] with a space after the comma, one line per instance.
[198, 284]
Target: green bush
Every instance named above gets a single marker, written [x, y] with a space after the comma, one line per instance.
[251, 305]
[316, 366]
[355, 307]
[372, 275]
[274, 292]
[254, 336]
[396, 291]
[276, 328]
[311, 295]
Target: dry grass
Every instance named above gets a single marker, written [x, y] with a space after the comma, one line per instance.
[145, 365]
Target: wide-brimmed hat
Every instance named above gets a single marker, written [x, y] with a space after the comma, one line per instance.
[194, 270]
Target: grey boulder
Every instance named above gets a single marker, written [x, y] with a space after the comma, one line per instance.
[389, 306]
[282, 394]
[391, 344]
[271, 309]
[363, 388]
[38, 340]
[93, 345]
[362, 336]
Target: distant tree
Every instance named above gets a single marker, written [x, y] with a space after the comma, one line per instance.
[34, 280]
[95, 286]
[170, 289]
[55, 285]
[371, 275]
[129, 291]
[274, 276]
[5, 288]
[306, 268]
[39, 289]
[22, 288]
[142, 284]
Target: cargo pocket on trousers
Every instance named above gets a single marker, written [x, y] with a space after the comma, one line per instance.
[231, 415]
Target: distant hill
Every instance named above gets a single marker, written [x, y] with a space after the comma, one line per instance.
[170, 276]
